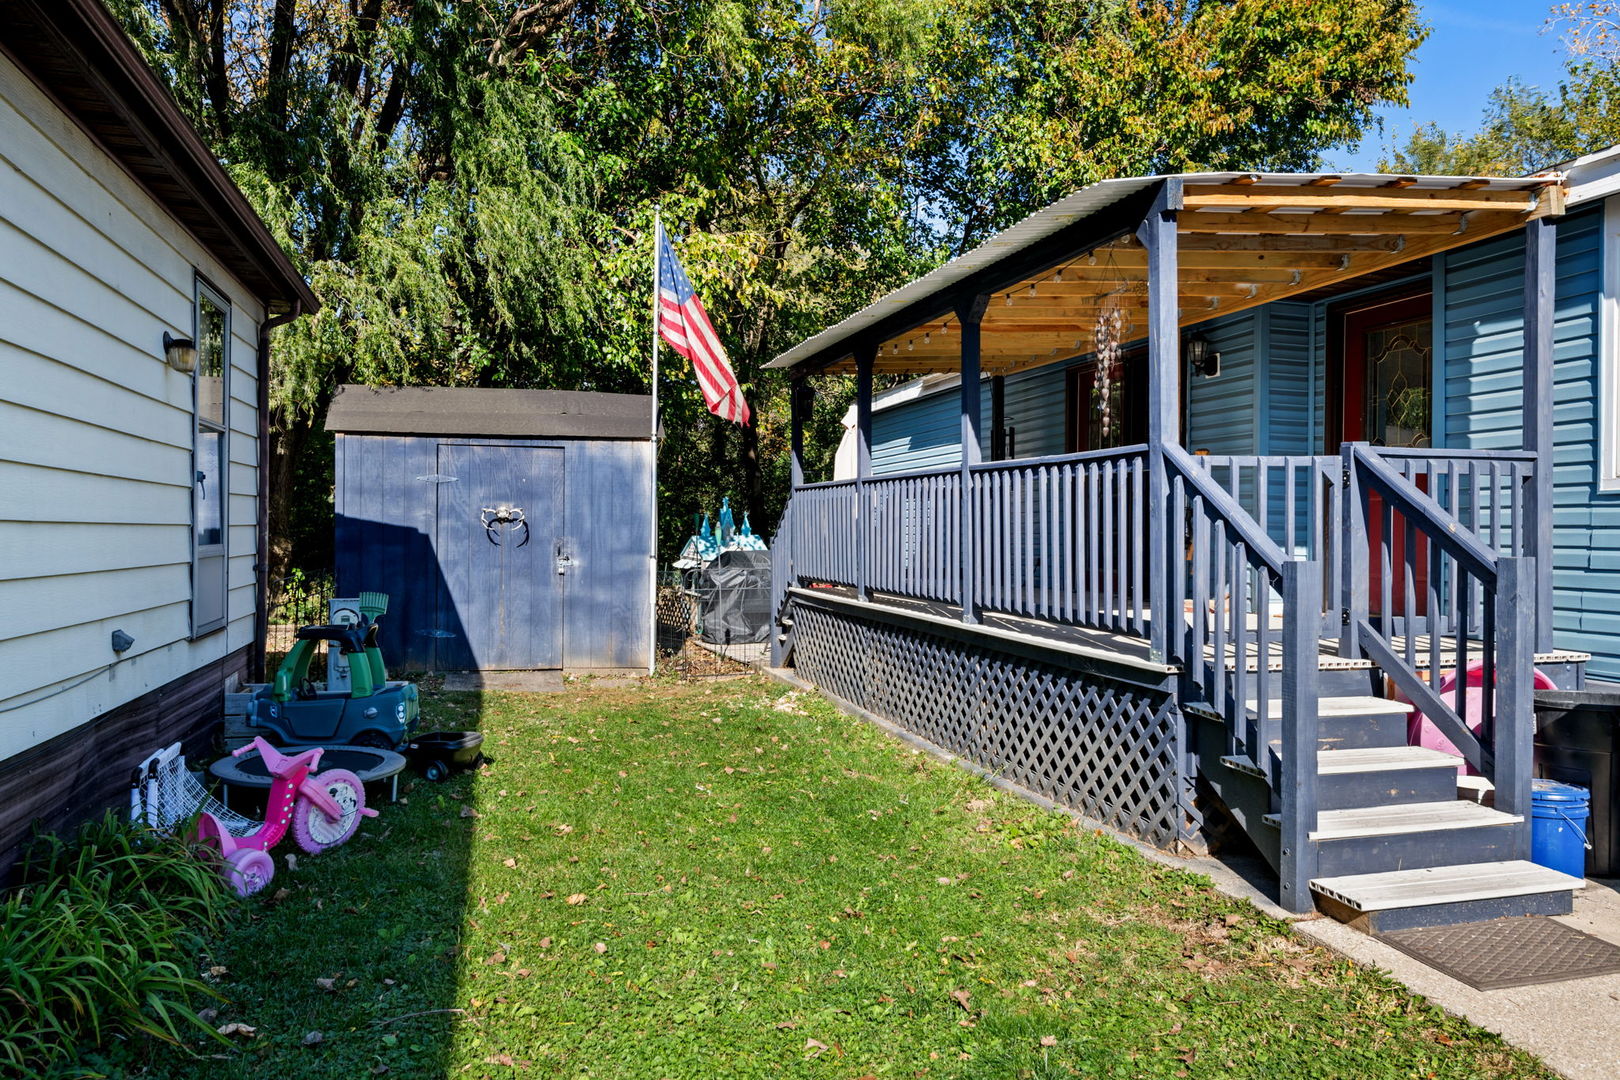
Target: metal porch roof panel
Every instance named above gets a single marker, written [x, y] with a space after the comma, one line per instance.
[1093, 200]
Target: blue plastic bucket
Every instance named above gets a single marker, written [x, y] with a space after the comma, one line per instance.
[1558, 814]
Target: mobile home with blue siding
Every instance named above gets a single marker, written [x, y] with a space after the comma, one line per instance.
[1214, 485]
[512, 529]
[1280, 377]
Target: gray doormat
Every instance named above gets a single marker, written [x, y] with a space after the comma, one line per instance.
[534, 682]
[1519, 951]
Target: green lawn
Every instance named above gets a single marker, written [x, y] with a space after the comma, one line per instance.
[726, 880]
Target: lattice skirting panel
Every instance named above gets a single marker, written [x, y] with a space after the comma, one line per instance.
[1107, 748]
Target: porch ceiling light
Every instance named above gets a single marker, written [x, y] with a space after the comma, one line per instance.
[180, 353]
[1201, 359]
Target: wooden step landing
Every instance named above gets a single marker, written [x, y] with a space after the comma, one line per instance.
[1350, 705]
[1394, 900]
[1407, 818]
[1443, 885]
[1382, 759]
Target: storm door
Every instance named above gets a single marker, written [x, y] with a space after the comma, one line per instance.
[1387, 400]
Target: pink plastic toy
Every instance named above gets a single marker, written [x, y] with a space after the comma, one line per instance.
[1420, 730]
[322, 812]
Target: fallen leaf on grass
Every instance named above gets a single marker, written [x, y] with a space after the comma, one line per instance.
[814, 1048]
[500, 1059]
[312, 1038]
[600, 948]
[1048, 1040]
[467, 811]
[578, 898]
[329, 985]
[786, 1025]
[961, 998]
[246, 1031]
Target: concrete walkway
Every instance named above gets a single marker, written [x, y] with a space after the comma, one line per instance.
[1573, 1026]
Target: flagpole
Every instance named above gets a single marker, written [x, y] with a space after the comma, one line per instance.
[652, 570]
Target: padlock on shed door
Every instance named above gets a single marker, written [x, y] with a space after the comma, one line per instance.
[565, 558]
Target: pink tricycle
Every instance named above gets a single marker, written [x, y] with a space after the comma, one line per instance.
[323, 811]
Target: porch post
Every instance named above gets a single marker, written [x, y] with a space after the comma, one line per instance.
[1158, 236]
[1540, 275]
[970, 313]
[998, 418]
[865, 354]
[799, 398]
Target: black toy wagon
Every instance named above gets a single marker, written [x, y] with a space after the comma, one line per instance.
[438, 752]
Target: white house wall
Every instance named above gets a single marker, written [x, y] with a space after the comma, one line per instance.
[96, 431]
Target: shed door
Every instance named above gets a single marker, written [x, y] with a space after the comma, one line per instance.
[499, 523]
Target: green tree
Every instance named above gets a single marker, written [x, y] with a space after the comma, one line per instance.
[470, 186]
[1528, 128]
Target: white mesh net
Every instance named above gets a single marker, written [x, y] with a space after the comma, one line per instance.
[165, 793]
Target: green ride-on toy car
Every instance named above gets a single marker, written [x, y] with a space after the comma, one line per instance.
[373, 712]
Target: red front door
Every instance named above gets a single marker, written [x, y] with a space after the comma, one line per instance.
[1386, 400]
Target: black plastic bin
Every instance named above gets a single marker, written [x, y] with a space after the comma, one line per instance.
[1576, 736]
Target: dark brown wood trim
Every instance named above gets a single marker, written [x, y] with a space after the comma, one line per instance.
[80, 773]
[79, 54]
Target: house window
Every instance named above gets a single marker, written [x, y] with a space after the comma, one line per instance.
[210, 459]
[1609, 352]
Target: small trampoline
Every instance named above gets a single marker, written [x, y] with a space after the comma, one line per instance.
[370, 764]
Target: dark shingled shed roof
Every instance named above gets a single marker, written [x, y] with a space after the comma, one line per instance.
[515, 414]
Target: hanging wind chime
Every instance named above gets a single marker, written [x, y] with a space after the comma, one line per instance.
[1109, 332]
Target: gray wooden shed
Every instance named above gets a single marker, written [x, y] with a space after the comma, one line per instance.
[513, 529]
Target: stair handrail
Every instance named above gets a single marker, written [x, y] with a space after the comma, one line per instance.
[1291, 770]
[1443, 530]
[1262, 545]
[1503, 749]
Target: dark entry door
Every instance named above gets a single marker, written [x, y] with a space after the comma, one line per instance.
[1387, 401]
[499, 523]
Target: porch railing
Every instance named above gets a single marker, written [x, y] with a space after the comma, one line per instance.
[1057, 538]
[1249, 618]
[1065, 538]
[1451, 621]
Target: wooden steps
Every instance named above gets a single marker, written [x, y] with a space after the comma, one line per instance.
[1368, 821]
[1371, 759]
[1438, 895]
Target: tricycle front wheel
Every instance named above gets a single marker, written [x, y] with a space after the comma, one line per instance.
[312, 829]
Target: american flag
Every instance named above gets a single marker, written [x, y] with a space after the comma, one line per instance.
[686, 326]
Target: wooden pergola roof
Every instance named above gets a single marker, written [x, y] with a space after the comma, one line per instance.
[1243, 239]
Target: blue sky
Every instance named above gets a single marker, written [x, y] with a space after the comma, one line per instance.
[1473, 46]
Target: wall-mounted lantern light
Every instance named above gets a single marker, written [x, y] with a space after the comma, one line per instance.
[181, 353]
[1201, 359]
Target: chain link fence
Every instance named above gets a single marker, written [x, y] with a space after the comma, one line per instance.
[716, 619]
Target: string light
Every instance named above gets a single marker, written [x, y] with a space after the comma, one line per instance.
[928, 337]
[1009, 299]
[1058, 277]
[1032, 289]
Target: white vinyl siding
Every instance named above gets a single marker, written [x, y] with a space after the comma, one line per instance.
[96, 431]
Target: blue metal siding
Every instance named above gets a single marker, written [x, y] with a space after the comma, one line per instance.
[923, 434]
[1222, 413]
[1289, 402]
[1481, 360]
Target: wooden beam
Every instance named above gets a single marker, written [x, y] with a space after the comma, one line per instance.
[1275, 245]
[1270, 196]
[1325, 224]
[1158, 234]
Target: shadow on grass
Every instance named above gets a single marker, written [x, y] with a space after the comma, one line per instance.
[347, 965]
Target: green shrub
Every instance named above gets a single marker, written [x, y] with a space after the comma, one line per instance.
[100, 942]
